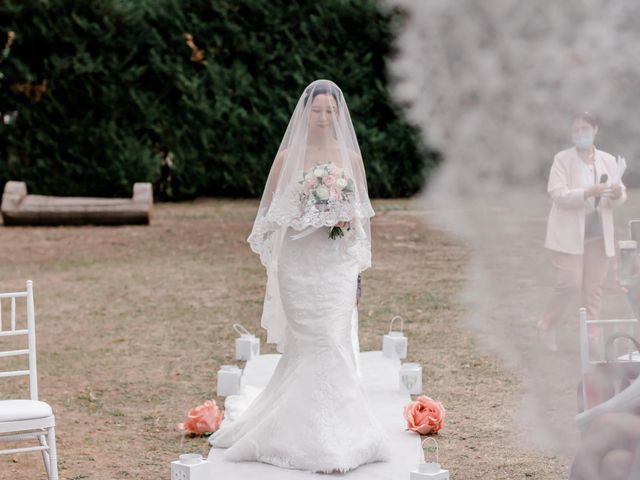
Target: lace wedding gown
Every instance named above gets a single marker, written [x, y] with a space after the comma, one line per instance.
[313, 414]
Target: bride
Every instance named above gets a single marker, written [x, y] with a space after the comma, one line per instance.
[312, 232]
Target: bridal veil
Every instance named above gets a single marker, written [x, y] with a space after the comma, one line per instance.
[317, 179]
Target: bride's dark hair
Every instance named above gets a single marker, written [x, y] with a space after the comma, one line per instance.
[323, 87]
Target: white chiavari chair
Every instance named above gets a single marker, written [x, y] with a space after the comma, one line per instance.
[26, 419]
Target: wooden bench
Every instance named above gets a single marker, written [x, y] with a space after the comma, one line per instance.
[19, 208]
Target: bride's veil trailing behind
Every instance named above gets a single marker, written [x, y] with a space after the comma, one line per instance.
[317, 179]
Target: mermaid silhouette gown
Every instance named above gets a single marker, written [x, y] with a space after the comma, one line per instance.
[313, 414]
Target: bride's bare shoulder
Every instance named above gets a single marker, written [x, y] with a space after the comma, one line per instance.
[279, 160]
[354, 155]
[282, 154]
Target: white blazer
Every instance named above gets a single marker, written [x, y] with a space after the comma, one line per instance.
[565, 226]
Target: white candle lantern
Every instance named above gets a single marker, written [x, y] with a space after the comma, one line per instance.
[191, 466]
[247, 345]
[410, 378]
[394, 343]
[229, 380]
[431, 470]
[628, 252]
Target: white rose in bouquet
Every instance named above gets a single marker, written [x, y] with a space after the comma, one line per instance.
[341, 183]
[322, 192]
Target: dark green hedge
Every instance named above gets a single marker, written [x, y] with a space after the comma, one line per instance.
[122, 88]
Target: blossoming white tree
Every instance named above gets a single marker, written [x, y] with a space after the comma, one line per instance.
[494, 86]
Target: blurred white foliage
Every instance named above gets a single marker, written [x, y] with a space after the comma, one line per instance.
[494, 85]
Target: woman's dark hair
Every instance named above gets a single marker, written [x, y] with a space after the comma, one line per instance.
[587, 117]
[323, 87]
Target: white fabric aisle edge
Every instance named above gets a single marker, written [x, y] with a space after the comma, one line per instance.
[380, 377]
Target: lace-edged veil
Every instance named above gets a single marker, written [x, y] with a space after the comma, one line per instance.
[316, 180]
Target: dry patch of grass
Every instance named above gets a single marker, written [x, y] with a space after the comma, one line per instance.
[133, 323]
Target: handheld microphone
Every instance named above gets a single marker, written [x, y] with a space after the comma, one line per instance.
[603, 179]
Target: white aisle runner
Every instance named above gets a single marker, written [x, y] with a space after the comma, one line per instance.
[380, 377]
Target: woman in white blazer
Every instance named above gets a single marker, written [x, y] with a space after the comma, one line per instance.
[584, 188]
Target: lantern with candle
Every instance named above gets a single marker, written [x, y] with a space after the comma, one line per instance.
[191, 466]
[247, 344]
[427, 469]
[229, 380]
[410, 378]
[394, 343]
[628, 258]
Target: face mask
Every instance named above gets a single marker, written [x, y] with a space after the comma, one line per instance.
[583, 141]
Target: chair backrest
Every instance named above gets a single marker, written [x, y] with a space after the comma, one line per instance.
[13, 331]
[625, 325]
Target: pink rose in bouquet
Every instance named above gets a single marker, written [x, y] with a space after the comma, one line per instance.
[424, 415]
[329, 180]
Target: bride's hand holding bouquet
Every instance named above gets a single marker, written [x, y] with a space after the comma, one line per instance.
[336, 230]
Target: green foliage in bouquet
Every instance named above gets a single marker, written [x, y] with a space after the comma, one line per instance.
[105, 91]
[336, 232]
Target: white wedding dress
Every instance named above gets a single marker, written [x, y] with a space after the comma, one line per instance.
[313, 414]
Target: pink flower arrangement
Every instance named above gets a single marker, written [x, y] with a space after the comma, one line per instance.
[425, 415]
[203, 419]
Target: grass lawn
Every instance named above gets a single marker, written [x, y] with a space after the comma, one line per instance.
[134, 321]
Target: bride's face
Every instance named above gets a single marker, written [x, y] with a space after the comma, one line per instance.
[323, 113]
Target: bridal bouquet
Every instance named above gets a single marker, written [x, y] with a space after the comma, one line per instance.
[324, 185]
